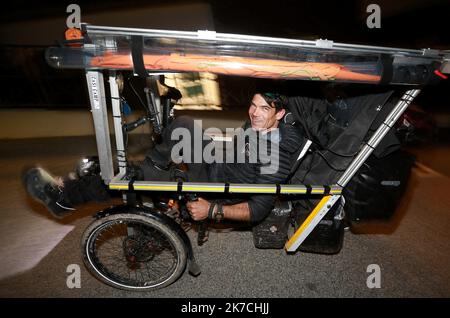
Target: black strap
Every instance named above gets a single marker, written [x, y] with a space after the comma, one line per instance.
[388, 70]
[308, 189]
[211, 209]
[278, 188]
[137, 44]
[131, 194]
[179, 186]
[86, 37]
[219, 212]
[227, 188]
[131, 185]
[326, 189]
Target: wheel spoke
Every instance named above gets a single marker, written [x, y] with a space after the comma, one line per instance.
[142, 257]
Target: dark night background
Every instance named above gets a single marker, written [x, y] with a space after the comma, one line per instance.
[412, 23]
[27, 81]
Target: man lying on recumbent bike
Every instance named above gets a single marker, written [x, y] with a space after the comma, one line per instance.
[266, 112]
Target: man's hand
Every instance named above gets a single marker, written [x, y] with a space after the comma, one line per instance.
[198, 209]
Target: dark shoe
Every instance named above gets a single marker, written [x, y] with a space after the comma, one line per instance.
[43, 187]
[150, 162]
[152, 171]
[134, 172]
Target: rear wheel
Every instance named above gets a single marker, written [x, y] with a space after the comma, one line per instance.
[133, 252]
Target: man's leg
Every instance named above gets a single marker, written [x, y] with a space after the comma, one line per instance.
[60, 196]
[149, 170]
[161, 153]
[157, 163]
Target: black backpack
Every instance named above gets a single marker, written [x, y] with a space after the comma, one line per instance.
[337, 130]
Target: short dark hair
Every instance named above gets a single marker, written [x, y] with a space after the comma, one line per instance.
[274, 99]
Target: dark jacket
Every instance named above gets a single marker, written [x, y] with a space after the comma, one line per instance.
[290, 140]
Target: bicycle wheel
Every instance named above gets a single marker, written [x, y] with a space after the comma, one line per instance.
[133, 252]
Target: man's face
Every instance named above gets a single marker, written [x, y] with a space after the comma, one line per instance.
[262, 115]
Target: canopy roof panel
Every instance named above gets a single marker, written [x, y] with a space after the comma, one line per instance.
[244, 55]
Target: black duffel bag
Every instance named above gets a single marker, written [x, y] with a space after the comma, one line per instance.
[375, 190]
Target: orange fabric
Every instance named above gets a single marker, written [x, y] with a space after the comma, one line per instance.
[233, 65]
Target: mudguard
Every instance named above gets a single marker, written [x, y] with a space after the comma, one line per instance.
[193, 267]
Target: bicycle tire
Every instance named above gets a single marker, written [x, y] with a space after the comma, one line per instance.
[146, 248]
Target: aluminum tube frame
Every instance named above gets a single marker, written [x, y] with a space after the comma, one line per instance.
[240, 38]
[378, 135]
[99, 112]
[118, 121]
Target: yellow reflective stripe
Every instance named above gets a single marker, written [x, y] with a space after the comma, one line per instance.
[292, 190]
[317, 191]
[336, 191]
[257, 190]
[118, 187]
[307, 222]
[154, 187]
[216, 189]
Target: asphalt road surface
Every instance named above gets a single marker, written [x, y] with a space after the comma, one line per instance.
[412, 250]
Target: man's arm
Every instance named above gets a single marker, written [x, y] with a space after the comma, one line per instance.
[238, 212]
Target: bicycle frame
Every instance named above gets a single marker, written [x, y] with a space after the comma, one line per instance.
[109, 39]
